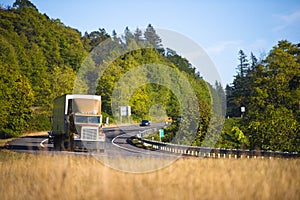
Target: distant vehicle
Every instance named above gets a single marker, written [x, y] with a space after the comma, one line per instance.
[169, 120]
[145, 123]
[180, 118]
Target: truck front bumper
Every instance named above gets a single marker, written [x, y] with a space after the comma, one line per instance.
[89, 145]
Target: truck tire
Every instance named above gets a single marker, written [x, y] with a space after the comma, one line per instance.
[57, 143]
[69, 144]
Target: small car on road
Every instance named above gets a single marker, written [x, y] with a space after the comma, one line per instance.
[145, 123]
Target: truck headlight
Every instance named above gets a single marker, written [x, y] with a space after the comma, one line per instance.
[76, 136]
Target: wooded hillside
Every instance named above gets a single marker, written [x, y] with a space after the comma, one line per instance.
[41, 59]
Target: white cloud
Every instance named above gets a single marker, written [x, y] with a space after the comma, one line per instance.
[257, 44]
[287, 20]
[222, 46]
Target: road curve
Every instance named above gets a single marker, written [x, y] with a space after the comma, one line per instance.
[116, 144]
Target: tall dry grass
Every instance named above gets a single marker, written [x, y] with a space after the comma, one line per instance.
[26, 176]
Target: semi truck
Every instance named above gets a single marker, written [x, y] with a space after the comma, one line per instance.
[77, 123]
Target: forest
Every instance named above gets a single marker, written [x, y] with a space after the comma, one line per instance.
[41, 59]
[269, 92]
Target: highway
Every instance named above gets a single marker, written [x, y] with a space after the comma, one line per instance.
[118, 153]
[116, 144]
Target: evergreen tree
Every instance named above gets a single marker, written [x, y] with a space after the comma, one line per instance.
[152, 38]
[23, 3]
[128, 36]
[138, 36]
[243, 64]
[221, 96]
[271, 121]
[115, 38]
[254, 61]
[239, 93]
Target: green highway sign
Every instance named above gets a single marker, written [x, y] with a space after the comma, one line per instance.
[161, 133]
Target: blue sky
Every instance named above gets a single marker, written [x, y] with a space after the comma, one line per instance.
[221, 28]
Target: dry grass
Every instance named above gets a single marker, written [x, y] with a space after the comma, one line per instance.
[25, 176]
[39, 133]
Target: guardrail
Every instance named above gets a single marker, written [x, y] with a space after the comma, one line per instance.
[208, 152]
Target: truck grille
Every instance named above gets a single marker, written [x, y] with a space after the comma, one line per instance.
[89, 133]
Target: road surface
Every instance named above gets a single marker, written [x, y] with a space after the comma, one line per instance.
[116, 144]
[118, 153]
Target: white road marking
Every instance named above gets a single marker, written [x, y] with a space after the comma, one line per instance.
[41, 144]
[135, 151]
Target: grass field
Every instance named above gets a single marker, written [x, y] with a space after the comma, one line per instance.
[26, 176]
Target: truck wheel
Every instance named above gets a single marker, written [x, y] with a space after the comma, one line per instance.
[57, 143]
[69, 144]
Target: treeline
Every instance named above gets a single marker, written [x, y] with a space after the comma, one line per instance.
[41, 59]
[263, 102]
[138, 71]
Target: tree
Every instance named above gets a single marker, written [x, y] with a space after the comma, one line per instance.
[232, 136]
[221, 97]
[138, 36]
[41, 58]
[254, 61]
[232, 107]
[274, 129]
[128, 36]
[243, 66]
[16, 99]
[23, 3]
[270, 91]
[239, 92]
[152, 38]
[115, 38]
[34, 51]
[271, 121]
[93, 39]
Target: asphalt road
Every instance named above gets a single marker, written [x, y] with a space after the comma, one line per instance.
[116, 144]
[116, 148]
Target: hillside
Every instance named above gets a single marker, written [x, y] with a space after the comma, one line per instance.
[40, 59]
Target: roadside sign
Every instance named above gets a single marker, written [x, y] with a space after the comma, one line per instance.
[161, 133]
[125, 111]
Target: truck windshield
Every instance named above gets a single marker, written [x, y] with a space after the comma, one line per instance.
[87, 119]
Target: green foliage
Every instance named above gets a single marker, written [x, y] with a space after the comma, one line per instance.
[142, 68]
[16, 104]
[232, 136]
[40, 120]
[39, 59]
[93, 39]
[24, 3]
[152, 38]
[275, 129]
[270, 91]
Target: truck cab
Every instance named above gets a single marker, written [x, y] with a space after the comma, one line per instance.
[77, 123]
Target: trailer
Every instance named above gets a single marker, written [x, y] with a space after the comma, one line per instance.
[77, 123]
